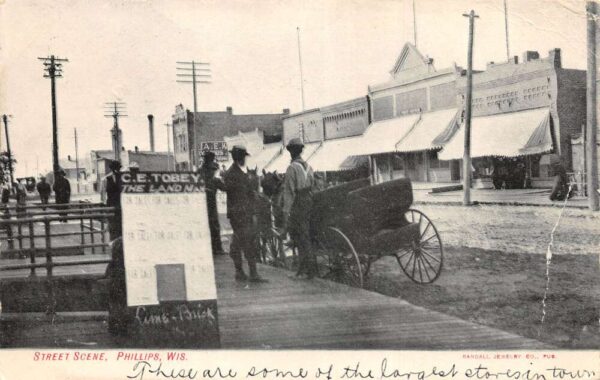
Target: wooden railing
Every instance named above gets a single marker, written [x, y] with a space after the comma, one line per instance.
[22, 228]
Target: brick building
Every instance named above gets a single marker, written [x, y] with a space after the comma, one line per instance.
[524, 117]
[414, 114]
[192, 134]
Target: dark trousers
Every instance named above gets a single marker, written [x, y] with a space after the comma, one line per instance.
[62, 213]
[44, 200]
[299, 228]
[243, 240]
[115, 226]
[214, 226]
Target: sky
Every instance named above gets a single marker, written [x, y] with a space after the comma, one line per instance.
[127, 51]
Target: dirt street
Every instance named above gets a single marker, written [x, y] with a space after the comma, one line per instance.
[495, 272]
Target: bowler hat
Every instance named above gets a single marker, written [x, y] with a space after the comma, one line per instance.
[294, 142]
[239, 149]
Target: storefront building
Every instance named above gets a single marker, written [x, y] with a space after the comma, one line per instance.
[413, 115]
[524, 117]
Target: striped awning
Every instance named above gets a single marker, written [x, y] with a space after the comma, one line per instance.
[432, 131]
[337, 155]
[504, 135]
[382, 136]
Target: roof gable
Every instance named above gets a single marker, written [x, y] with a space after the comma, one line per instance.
[411, 61]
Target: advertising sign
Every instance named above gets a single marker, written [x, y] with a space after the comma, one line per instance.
[219, 148]
[169, 270]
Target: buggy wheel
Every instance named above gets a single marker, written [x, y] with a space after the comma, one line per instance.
[338, 259]
[422, 257]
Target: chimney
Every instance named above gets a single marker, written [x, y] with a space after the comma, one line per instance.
[554, 58]
[136, 149]
[151, 130]
[69, 157]
[286, 111]
[530, 55]
[229, 110]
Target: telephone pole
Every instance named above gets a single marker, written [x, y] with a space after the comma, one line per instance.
[168, 147]
[591, 121]
[506, 30]
[469, 98]
[8, 152]
[53, 68]
[76, 159]
[115, 110]
[414, 23]
[193, 72]
[300, 63]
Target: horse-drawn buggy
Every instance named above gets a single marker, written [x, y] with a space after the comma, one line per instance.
[355, 224]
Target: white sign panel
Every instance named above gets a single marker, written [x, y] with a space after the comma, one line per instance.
[167, 233]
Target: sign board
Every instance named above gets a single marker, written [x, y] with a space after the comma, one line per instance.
[219, 148]
[169, 269]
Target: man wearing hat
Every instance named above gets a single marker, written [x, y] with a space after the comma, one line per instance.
[297, 202]
[208, 170]
[111, 195]
[44, 190]
[240, 202]
[62, 190]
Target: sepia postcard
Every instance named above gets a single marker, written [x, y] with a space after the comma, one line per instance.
[287, 189]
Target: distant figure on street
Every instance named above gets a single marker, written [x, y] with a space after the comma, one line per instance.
[112, 186]
[208, 170]
[62, 191]
[241, 199]
[297, 203]
[5, 193]
[21, 193]
[560, 189]
[44, 190]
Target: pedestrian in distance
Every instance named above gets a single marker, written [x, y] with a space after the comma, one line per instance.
[62, 192]
[44, 190]
[297, 203]
[112, 185]
[208, 170]
[241, 198]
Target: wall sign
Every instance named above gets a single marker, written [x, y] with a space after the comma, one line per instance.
[219, 148]
[169, 269]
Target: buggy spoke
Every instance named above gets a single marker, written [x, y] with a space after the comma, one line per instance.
[423, 260]
[429, 254]
[425, 231]
[428, 263]
[419, 265]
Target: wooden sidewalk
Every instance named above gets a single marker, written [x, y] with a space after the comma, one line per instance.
[292, 314]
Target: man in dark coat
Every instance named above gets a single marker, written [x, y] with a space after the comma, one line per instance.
[212, 184]
[62, 191]
[112, 187]
[44, 190]
[240, 201]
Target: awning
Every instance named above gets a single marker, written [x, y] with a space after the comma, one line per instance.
[382, 136]
[506, 135]
[261, 158]
[431, 132]
[336, 155]
[281, 162]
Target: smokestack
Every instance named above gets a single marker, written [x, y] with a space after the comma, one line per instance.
[151, 128]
